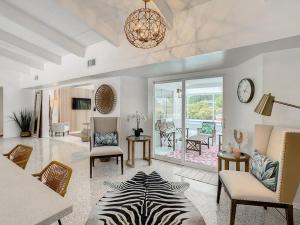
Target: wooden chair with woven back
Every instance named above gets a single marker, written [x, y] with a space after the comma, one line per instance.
[19, 155]
[56, 176]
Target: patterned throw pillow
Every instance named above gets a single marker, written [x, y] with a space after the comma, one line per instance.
[106, 139]
[265, 170]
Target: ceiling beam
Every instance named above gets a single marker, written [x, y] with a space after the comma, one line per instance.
[27, 21]
[21, 59]
[93, 19]
[167, 12]
[29, 47]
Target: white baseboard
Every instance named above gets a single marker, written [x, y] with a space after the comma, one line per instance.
[296, 205]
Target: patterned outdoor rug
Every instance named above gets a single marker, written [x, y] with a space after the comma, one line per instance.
[208, 156]
[146, 200]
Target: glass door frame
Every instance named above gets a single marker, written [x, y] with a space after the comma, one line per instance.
[160, 157]
[183, 161]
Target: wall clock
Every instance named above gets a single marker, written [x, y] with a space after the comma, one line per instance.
[105, 99]
[245, 91]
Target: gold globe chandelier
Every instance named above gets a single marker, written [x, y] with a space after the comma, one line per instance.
[145, 28]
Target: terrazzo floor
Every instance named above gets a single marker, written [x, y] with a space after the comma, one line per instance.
[84, 193]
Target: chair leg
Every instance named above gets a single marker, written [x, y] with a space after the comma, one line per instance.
[117, 160]
[91, 167]
[59, 222]
[93, 162]
[233, 212]
[122, 169]
[219, 191]
[289, 215]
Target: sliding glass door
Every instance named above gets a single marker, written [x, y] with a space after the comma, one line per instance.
[168, 121]
[188, 117]
[204, 116]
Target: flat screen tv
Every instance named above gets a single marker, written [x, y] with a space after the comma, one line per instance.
[81, 103]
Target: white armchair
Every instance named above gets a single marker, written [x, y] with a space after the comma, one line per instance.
[104, 124]
[60, 128]
[243, 188]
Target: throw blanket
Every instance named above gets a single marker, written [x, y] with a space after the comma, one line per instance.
[146, 200]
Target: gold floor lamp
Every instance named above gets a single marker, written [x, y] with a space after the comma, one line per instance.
[266, 103]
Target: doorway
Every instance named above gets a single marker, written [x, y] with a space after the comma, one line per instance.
[188, 117]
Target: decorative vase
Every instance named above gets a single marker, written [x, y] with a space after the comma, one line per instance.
[236, 152]
[137, 132]
[25, 134]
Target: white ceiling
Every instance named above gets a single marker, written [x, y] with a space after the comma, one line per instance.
[34, 32]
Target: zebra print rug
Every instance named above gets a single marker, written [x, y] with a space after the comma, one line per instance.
[146, 200]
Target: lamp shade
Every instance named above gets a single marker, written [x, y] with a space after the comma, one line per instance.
[265, 105]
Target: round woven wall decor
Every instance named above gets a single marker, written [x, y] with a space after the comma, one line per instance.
[105, 99]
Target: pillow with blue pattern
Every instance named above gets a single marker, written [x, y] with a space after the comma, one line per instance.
[265, 170]
[106, 139]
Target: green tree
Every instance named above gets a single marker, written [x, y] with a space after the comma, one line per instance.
[199, 110]
[219, 105]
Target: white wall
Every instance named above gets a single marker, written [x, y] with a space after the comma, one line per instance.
[239, 115]
[14, 99]
[45, 113]
[1, 110]
[282, 79]
[134, 98]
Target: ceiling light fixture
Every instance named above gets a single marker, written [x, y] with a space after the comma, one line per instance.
[145, 28]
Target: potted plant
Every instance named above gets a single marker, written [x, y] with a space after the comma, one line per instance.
[23, 121]
[138, 116]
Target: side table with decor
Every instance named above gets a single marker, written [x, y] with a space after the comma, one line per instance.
[131, 148]
[230, 157]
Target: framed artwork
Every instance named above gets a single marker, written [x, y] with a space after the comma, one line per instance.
[37, 115]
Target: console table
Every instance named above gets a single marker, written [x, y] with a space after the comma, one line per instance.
[145, 139]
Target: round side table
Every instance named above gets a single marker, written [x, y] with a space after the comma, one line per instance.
[230, 157]
[131, 148]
